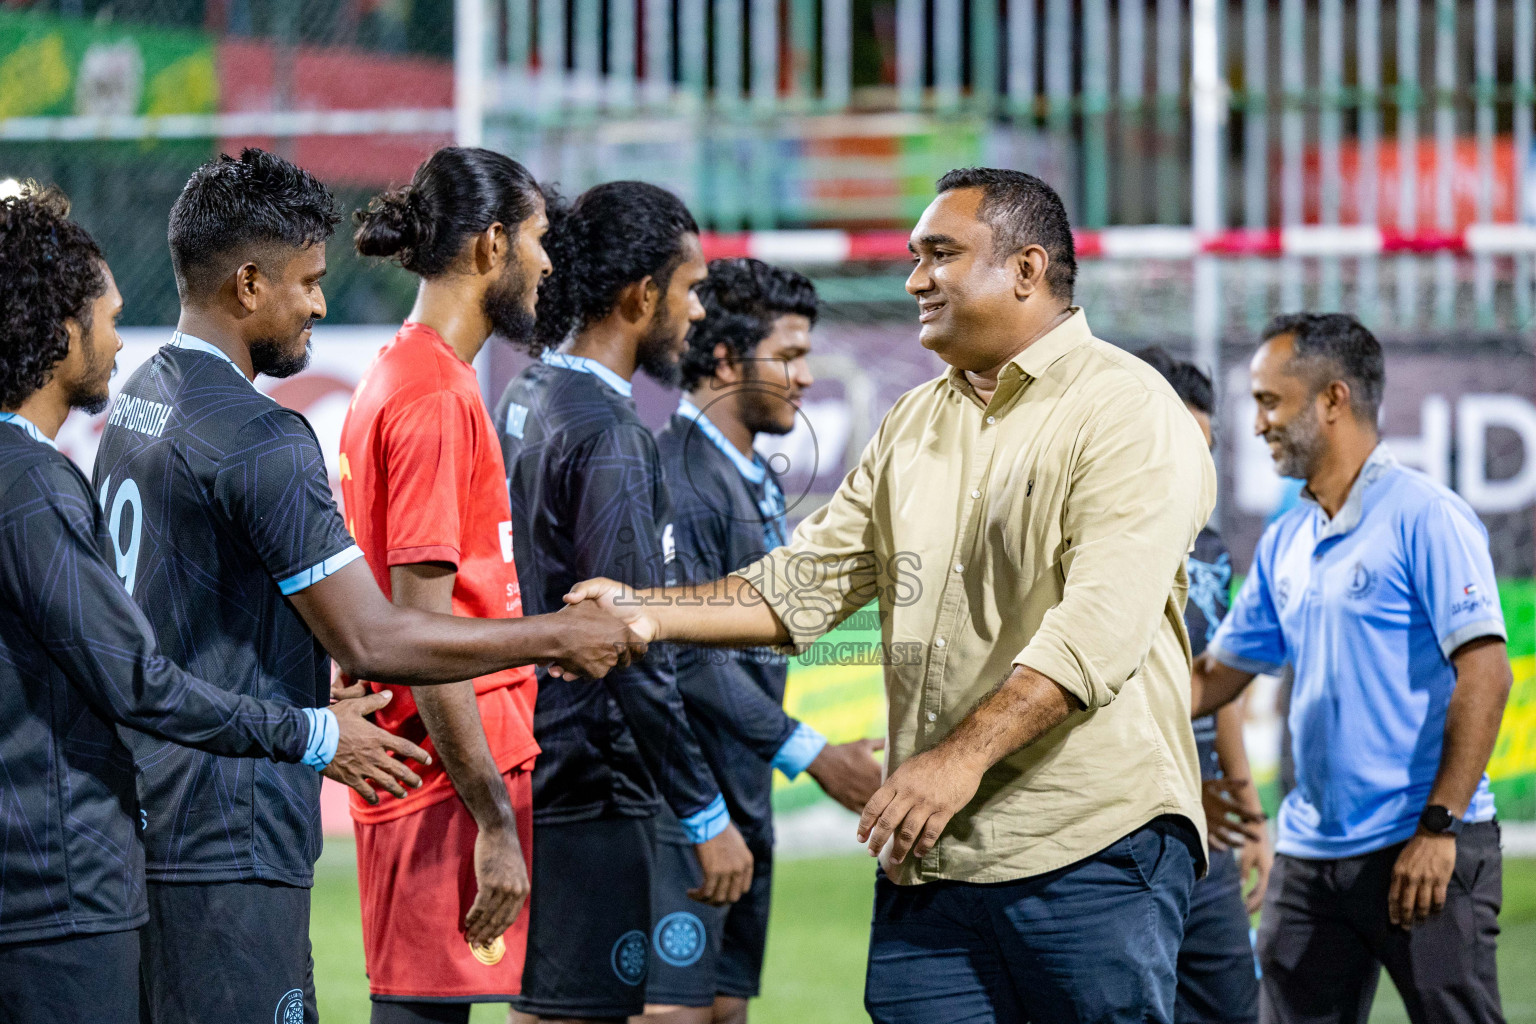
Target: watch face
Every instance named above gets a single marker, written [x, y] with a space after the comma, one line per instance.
[1436, 819]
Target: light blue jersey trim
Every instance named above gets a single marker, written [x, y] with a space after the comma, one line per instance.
[324, 735]
[195, 344]
[702, 826]
[29, 428]
[581, 364]
[797, 753]
[750, 469]
[315, 573]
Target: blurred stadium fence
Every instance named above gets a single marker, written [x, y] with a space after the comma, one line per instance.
[1225, 160]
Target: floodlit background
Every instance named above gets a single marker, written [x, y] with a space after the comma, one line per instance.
[1223, 160]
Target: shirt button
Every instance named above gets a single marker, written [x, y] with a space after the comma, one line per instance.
[933, 716]
[975, 494]
[959, 567]
[991, 419]
[939, 642]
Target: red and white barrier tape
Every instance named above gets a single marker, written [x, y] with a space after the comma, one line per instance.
[1165, 243]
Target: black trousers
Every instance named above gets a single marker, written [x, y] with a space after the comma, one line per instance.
[1325, 936]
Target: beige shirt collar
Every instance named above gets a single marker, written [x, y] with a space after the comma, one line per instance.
[1034, 360]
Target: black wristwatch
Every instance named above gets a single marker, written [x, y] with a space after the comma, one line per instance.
[1439, 821]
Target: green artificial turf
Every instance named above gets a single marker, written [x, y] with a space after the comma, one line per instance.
[817, 941]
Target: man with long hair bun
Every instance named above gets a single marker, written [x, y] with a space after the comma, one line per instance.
[444, 873]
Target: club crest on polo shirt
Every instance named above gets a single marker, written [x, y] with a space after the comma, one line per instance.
[504, 531]
[679, 939]
[628, 958]
[290, 1008]
[1361, 582]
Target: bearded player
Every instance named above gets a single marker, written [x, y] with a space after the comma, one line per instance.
[588, 496]
[743, 374]
[443, 873]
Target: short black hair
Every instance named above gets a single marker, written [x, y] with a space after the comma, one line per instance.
[742, 298]
[1191, 385]
[1336, 346]
[612, 236]
[1022, 210]
[233, 212]
[50, 272]
[457, 192]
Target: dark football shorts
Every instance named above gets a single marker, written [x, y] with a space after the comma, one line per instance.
[226, 952]
[589, 919]
[75, 978]
[699, 952]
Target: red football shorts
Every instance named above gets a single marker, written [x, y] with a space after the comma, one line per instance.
[416, 878]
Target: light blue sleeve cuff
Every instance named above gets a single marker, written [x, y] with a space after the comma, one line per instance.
[702, 826]
[315, 573]
[324, 734]
[797, 753]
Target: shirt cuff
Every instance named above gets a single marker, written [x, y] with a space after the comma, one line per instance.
[319, 571]
[797, 753]
[1472, 631]
[702, 826]
[324, 735]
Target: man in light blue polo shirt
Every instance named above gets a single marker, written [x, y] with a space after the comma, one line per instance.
[1378, 588]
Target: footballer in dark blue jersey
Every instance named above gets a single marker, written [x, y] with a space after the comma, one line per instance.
[238, 556]
[1217, 976]
[77, 655]
[588, 499]
[743, 374]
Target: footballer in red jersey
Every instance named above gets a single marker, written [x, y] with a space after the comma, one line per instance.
[444, 872]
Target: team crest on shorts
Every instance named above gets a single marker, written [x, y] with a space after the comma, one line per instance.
[680, 939]
[628, 957]
[290, 1008]
[491, 953]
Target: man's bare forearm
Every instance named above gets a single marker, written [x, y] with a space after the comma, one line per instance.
[1026, 706]
[1483, 681]
[728, 612]
[373, 639]
[1233, 755]
[1213, 685]
[450, 712]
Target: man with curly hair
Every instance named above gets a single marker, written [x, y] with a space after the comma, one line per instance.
[77, 656]
[743, 374]
[236, 553]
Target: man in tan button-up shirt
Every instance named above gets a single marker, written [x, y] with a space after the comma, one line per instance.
[1022, 521]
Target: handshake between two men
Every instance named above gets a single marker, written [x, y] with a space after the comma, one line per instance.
[735, 616]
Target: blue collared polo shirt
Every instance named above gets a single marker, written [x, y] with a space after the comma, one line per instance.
[1368, 607]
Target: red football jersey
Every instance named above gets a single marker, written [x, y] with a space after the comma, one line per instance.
[422, 480]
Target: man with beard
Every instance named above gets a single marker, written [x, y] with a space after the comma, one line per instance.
[1379, 590]
[1023, 522]
[588, 499]
[443, 873]
[744, 373]
[76, 655]
[226, 534]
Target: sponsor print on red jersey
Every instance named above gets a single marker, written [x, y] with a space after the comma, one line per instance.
[422, 480]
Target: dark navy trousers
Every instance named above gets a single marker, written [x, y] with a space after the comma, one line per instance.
[1095, 942]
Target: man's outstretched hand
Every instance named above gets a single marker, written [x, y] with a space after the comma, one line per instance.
[364, 752]
[618, 601]
[848, 772]
[916, 803]
[595, 641]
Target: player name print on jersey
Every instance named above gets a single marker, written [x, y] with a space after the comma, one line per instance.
[139, 414]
